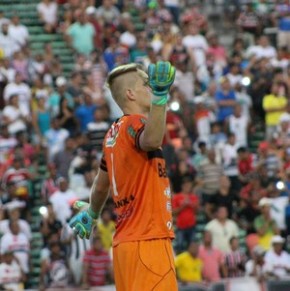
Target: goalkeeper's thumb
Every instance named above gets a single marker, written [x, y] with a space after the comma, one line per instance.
[80, 205]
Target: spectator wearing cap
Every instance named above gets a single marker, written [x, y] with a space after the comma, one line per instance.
[222, 229]
[55, 138]
[22, 90]
[274, 105]
[185, 206]
[7, 43]
[226, 100]
[235, 259]
[189, 266]
[255, 267]
[18, 243]
[244, 100]
[60, 200]
[80, 35]
[277, 261]
[61, 92]
[212, 258]
[47, 11]
[18, 31]
[11, 276]
[265, 225]
[97, 265]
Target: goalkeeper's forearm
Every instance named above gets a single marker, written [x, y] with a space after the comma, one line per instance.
[99, 192]
[154, 130]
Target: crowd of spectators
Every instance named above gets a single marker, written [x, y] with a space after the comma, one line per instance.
[221, 98]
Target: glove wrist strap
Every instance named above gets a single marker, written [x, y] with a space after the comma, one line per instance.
[159, 100]
[92, 214]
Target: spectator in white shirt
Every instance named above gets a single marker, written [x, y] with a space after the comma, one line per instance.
[18, 31]
[11, 277]
[222, 229]
[277, 261]
[61, 201]
[22, 90]
[47, 11]
[262, 50]
[7, 43]
[18, 243]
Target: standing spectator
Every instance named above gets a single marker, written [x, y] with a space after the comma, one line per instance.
[7, 143]
[80, 35]
[97, 129]
[85, 112]
[238, 125]
[18, 243]
[91, 14]
[61, 200]
[74, 87]
[255, 267]
[47, 11]
[108, 13]
[106, 229]
[208, 178]
[277, 261]
[97, 265]
[226, 100]
[49, 185]
[8, 45]
[265, 225]
[235, 259]
[18, 87]
[55, 138]
[63, 158]
[212, 259]
[222, 229]
[185, 205]
[274, 105]
[18, 31]
[189, 266]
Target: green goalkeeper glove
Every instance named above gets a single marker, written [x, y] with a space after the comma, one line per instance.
[83, 222]
[161, 77]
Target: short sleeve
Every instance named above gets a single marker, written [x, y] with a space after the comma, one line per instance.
[135, 127]
[267, 103]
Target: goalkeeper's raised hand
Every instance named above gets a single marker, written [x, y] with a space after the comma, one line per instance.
[83, 222]
[161, 77]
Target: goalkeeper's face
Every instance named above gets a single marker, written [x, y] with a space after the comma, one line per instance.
[143, 91]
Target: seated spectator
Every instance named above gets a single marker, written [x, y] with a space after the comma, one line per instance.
[49, 185]
[185, 206]
[11, 277]
[17, 242]
[222, 229]
[212, 260]
[108, 13]
[54, 271]
[235, 259]
[255, 267]
[18, 31]
[265, 225]
[7, 143]
[47, 11]
[277, 261]
[246, 163]
[97, 265]
[189, 266]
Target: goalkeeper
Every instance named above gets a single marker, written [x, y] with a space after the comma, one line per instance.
[134, 169]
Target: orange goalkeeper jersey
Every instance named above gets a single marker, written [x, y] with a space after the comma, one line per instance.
[139, 183]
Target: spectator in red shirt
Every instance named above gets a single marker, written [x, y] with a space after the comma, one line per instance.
[245, 163]
[97, 265]
[185, 205]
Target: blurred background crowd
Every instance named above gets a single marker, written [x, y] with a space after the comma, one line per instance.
[227, 143]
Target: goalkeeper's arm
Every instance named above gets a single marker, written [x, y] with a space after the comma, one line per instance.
[161, 77]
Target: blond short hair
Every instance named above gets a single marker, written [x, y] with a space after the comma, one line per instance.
[118, 85]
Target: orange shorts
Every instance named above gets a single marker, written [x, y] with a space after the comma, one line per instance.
[144, 266]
